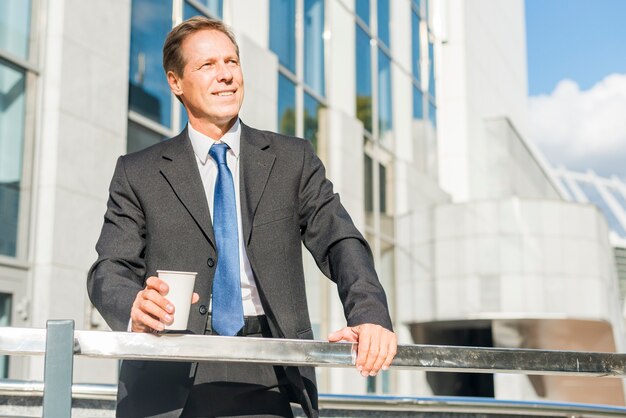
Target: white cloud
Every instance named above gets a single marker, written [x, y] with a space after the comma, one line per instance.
[583, 129]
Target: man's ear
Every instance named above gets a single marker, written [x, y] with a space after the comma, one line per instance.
[175, 83]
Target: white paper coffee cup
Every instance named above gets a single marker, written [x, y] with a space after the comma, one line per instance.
[181, 291]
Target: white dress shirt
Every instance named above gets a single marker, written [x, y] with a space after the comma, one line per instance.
[208, 173]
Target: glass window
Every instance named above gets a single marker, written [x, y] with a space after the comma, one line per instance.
[363, 79]
[15, 27]
[311, 118]
[418, 103]
[5, 321]
[382, 188]
[12, 113]
[140, 137]
[383, 21]
[190, 11]
[431, 69]
[362, 8]
[215, 7]
[368, 167]
[432, 114]
[283, 32]
[385, 110]
[149, 93]
[314, 45]
[286, 106]
[415, 45]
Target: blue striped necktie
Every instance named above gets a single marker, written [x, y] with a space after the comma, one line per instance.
[227, 308]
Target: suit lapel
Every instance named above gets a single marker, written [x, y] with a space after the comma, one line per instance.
[255, 167]
[179, 167]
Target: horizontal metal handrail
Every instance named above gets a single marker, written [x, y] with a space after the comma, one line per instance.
[169, 347]
[441, 404]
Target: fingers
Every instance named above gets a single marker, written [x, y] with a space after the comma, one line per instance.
[344, 334]
[151, 310]
[195, 298]
[377, 347]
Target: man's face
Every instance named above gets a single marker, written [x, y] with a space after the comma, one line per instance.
[211, 85]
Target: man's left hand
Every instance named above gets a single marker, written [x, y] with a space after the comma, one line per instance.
[376, 346]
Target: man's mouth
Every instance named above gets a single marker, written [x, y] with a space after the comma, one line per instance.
[224, 93]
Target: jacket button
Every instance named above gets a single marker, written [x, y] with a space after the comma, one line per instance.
[210, 262]
[203, 310]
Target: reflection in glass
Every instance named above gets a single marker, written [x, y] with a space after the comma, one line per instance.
[15, 27]
[418, 103]
[363, 79]
[415, 45]
[383, 21]
[432, 114]
[215, 7]
[385, 110]
[149, 94]
[382, 188]
[314, 45]
[431, 68]
[12, 109]
[362, 8]
[140, 137]
[283, 32]
[190, 11]
[286, 106]
[5, 321]
[311, 118]
[368, 194]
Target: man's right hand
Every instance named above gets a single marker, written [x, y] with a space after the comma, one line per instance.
[151, 310]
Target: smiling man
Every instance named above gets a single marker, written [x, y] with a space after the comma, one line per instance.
[233, 204]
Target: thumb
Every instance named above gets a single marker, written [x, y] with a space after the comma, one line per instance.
[344, 334]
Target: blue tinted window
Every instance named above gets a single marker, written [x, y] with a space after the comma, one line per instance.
[311, 118]
[383, 21]
[190, 11]
[286, 106]
[418, 103]
[314, 45]
[283, 32]
[432, 114]
[415, 45]
[215, 7]
[149, 93]
[385, 110]
[15, 27]
[12, 114]
[363, 78]
[362, 8]
[431, 69]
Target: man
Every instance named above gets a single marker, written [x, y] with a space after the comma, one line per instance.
[233, 204]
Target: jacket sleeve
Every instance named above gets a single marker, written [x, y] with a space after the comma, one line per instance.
[338, 248]
[119, 272]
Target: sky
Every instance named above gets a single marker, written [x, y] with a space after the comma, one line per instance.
[577, 83]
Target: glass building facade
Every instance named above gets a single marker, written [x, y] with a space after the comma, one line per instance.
[154, 113]
[301, 56]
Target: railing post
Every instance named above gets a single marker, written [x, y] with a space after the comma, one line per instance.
[59, 362]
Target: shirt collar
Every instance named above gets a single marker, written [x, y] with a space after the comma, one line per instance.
[202, 143]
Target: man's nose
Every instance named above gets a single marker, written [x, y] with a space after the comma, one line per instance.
[224, 73]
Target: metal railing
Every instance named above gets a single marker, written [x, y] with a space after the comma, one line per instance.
[59, 343]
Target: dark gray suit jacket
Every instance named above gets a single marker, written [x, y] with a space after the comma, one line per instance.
[158, 218]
